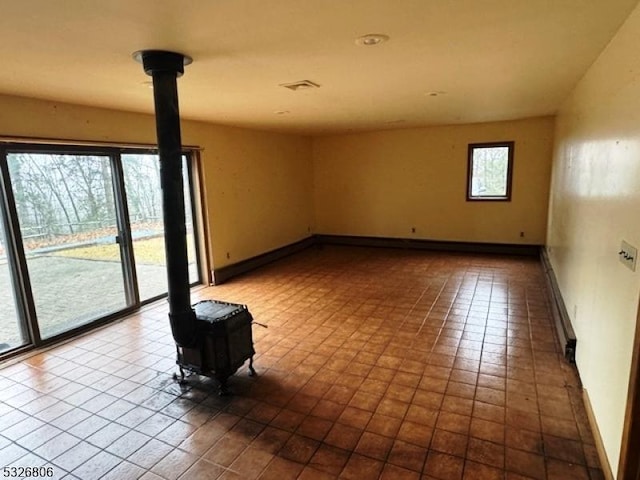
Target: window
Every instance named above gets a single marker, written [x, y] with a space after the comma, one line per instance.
[489, 171]
[81, 237]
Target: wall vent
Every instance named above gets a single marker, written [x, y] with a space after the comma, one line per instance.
[300, 85]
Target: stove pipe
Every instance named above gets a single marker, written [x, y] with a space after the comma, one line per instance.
[164, 68]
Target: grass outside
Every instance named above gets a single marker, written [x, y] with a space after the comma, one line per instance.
[148, 251]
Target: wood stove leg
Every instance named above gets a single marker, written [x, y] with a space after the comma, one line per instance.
[223, 390]
[182, 381]
[252, 371]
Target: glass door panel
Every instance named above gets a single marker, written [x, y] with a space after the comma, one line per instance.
[144, 202]
[66, 210]
[12, 332]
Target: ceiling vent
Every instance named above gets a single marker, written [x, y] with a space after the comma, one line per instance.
[301, 85]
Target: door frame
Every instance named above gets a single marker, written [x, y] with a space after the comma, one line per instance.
[16, 256]
[629, 467]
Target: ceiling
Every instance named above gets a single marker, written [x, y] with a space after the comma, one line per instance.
[446, 61]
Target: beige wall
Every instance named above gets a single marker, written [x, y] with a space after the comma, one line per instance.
[259, 192]
[595, 201]
[384, 183]
[258, 185]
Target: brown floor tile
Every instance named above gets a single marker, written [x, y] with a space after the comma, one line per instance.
[463, 390]
[453, 422]
[570, 451]
[443, 466]
[359, 467]
[526, 440]
[299, 449]
[560, 428]
[421, 415]
[225, 451]
[462, 406]
[384, 425]
[343, 436]
[392, 408]
[281, 469]
[328, 410]
[591, 456]
[489, 381]
[355, 417]
[310, 473]
[203, 470]
[479, 471]
[264, 413]
[251, 462]
[374, 386]
[415, 433]
[490, 396]
[393, 472]
[287, 420]
[487, 430]
[449, 442]
[407, 455]
[374, 446]
[485, 452]
[446, 368]
[522, 402]
[464, 376]
[329, 459]
[400, 392]
[559, 470]
[314, 427]
[339, 394]
[365, 401]
[489, 412]
[271, 440]
[428, 399]
[436, 384]
[523, 420]
[525, 463]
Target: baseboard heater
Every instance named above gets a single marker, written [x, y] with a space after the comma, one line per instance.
[566, 335]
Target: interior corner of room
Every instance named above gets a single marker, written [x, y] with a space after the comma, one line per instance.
[261, 194]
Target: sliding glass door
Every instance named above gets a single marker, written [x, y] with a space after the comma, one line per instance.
[88, 231]
[12, 328]
[141, 174]
[66, 211]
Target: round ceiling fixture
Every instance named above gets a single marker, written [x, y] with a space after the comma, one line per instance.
[138, 56]
[371, 39]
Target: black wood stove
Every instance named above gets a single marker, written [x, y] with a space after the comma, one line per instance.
[226, 342]
[212, 338]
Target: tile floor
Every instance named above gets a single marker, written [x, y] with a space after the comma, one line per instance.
[376, 363]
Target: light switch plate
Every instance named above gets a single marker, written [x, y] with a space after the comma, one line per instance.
[628, 255]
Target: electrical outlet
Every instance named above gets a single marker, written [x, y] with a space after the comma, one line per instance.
[228, 255]
[628, 255]
[413, 229]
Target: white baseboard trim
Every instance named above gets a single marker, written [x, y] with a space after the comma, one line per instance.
[602, 454]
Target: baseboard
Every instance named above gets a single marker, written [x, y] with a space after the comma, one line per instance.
[566, 335]
[597, 437]
[435, 245]
[221, 275]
